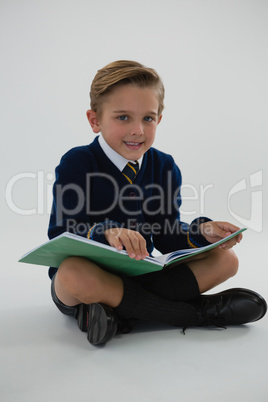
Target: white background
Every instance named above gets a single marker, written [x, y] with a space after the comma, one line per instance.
[213, 59]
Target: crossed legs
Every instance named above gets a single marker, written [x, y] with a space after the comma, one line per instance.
[81, 281]
[104, 302]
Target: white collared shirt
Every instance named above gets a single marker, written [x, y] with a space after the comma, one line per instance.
[118, 160]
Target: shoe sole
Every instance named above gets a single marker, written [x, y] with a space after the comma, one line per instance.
[82, 317]
[102, 325]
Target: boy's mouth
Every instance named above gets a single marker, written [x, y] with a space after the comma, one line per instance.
[133, 145]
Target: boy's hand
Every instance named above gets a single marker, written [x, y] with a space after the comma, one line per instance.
[133, 242]
[215, 231]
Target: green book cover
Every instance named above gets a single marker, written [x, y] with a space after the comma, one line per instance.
[53, 252]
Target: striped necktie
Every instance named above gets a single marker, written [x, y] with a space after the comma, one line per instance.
[130, 171]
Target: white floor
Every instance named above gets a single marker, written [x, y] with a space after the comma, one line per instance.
[45, 357]
[212, 56]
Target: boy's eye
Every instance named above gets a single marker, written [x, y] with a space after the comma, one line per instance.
[124, 117]
[148, 118]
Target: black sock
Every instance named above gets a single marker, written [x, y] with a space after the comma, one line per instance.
[143, 305]
[176, 283]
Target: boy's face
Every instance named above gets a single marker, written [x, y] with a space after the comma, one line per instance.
[128, 120]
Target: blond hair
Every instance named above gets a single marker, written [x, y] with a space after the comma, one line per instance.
[124, 72]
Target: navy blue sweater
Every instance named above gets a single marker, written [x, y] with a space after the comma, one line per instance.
[90, 194]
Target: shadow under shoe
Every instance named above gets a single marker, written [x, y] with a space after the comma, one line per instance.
[231, 307]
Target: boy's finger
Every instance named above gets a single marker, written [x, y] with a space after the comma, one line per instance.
[141, 252]
[144, 252]
[229, 244]
[239, 238]
[137, 246]
[127, 244]
[115, 242]
[213, 229]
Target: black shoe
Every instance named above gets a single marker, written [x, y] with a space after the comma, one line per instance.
[231, 307]
[82, 317]
[102, 323]
[98, 320]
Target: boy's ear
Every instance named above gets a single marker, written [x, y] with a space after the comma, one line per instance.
[93, 121]
[159, 119]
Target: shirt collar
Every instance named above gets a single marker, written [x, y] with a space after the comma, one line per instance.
[118, 160]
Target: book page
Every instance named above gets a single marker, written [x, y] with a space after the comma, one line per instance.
[179, 254]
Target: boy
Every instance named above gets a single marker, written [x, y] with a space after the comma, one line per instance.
[120, 191]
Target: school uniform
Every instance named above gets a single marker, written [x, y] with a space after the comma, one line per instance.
[91, 194]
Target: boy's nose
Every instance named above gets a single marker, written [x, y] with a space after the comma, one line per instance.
[137, 129]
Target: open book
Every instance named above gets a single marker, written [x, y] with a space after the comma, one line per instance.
[53, 252]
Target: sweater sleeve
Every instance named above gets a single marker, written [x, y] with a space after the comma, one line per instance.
[69, 196]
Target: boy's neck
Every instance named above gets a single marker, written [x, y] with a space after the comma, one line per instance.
[118, 160]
